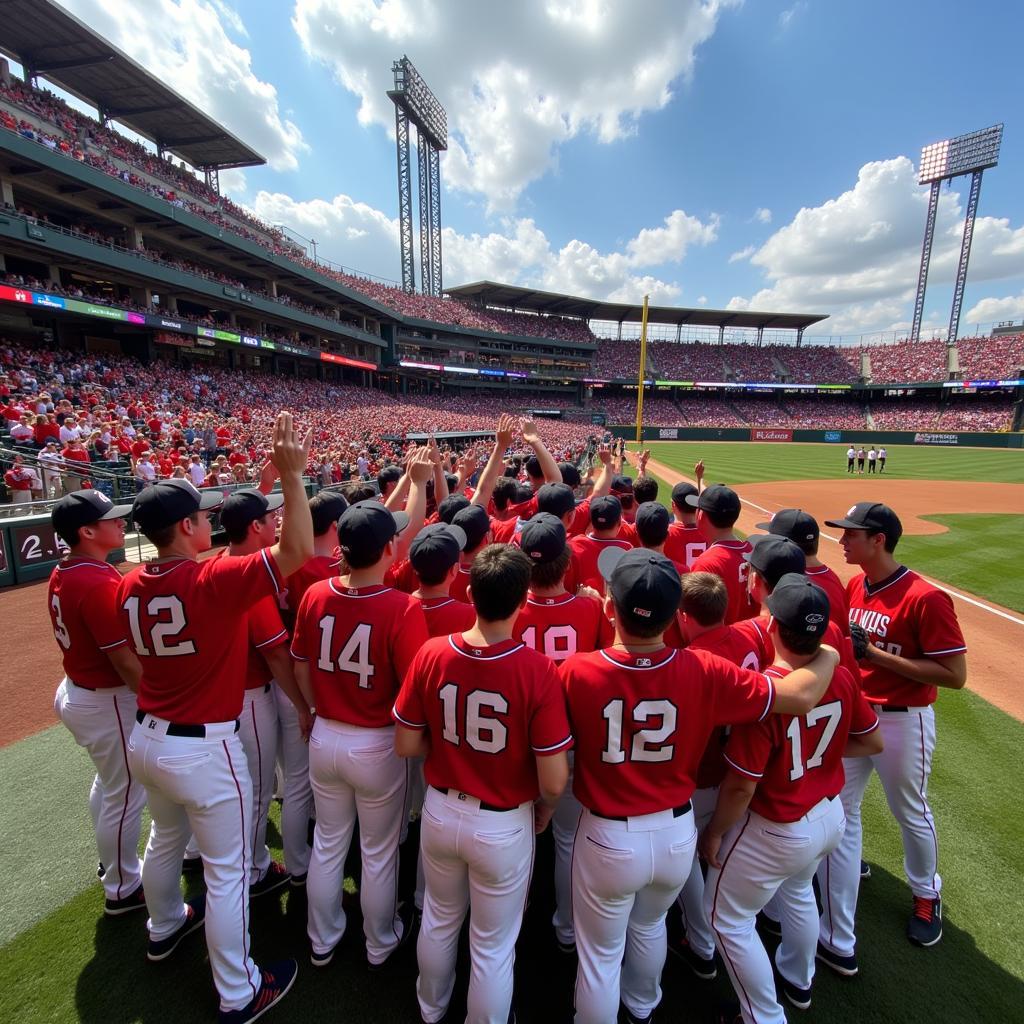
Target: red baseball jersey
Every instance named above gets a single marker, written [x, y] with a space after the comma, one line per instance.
[402, 576]
[489, 712]
[358, 643]
[563, 625]
[839, 612]
[319, 567]
[833, 637]
[907, 616]
[725, 558]
[459, 590]
[685, 544]
[587, 549]
[183, 618]
[445, 615]
[266, 631]
[798, 759]
[642, 722]
[82, 600]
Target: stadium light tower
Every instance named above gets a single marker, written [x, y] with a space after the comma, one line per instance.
[943, 161]
[415, 102]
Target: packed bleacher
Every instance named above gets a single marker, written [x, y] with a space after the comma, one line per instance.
[928, 414]
[992, 358]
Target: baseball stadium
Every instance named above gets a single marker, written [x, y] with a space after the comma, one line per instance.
[151, 333]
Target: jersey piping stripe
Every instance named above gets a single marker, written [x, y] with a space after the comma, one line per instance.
[270, 569]
[116, 643]
[245, 871]
[275, 637]
[406, 722]
[90, 563]
[483, 657]
[433, 607]
[743, 771]
[949, 650]
[551, 602]
[641, 668]
[870, 591]
[871, 728]
[771, 697]
[553, 747]
[342, 593]
[714, 909]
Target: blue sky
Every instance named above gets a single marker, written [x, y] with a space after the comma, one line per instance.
[612, 149]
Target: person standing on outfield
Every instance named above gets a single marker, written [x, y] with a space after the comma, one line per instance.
[851, 454]
[642, 715]
[96, 699]
[912, 645]
[778, 814]
[718, 508]
[185, 747]
[881, 460]
[488, 715]
[860, 460]
[872, 456]
[802, 529]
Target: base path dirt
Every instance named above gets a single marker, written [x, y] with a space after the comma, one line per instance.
[995, 635]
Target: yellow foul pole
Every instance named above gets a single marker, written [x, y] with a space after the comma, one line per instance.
[640, 378]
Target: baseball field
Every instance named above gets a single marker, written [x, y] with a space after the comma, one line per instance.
[963, 513]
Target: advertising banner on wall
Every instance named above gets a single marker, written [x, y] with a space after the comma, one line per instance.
[936, 439]
[770, 434]
[669, 433]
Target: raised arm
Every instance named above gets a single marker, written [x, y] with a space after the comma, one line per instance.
[290, 455]
[421, 465]
[603, 480]
[548, 466]
[504, 435]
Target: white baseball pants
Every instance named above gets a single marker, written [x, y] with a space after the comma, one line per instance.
[200, 787]
[258, 733]
[355, 773]
[297, 797]
[903, 768]
[564, 823]
[759, 858]
[101, 722]
[691, 899]
[625, 876]
[479, 861]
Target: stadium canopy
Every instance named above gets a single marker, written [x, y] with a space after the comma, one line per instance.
[49, 42]
[530, 300]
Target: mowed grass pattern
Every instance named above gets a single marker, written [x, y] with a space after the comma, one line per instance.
[745, 462]
[74, 965]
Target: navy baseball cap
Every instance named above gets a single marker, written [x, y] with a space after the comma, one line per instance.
[83, 508]
[556, 499]
[389, 475]
[681, 492]
[243, 507]
[605, 511]
[774, 557]
[652, 522]
[641, 582]
[872, 516]
[167, 502]
[716, 498]
[450, 505]
[570, 474]
[543, 537]
[329, 508]
[794, 523]
[368, 525]
[474, 522]
[622, 485]
[436, 548]
[799, 605]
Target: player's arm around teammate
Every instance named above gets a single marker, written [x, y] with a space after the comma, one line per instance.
[489, 716]
[96, 699]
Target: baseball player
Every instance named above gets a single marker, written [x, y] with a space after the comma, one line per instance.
[803, 530]
[685, 543]
[718, 508]
[702, 621]
[872, 456]
[487, 714]
[851, 454]
[642, 715]
[605, 519]
[652, 526]
[476, 525]
[778, 813]
[434, 555]
[881, 460]
[914, 646]
[185, 748]
[96, 698]
[354, 639]
[860, 460]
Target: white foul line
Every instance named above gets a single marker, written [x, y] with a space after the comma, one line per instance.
[934, 583]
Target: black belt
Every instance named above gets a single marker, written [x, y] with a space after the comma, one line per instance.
[893, 707]
[677, 812]
[483, 806]
[193, 732]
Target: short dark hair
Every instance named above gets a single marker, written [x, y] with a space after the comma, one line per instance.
[890, 546]
[322, 513]
[239, 533]
[505, 490]
[721, 520]
[499, 580]
[533, 467]
[796, 641]
[71, 536]
[355, 490]
[548, 574]
[643, 628]
[431, 579]
[645, 489]
[164, 535]
[705, 597]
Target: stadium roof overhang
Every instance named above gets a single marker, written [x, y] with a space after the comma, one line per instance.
[48, 41]
[530, 300]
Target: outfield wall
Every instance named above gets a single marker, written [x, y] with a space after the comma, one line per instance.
[931, 438]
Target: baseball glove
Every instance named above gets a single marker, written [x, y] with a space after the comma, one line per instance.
[859, 637]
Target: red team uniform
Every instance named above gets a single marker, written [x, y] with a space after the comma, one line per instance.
[445, 615]
[586, 549]
[725, 559]
[560, 626]
[824, 577]
[685, 544]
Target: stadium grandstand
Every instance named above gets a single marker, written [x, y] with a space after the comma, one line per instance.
[148, 310]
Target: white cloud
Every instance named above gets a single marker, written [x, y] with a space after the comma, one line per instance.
[702, 300]
[786, 17]
[743, 254]
[517, 79]
[763, 215]
[990, 310]
[363, 238]
[856, 256]
[184, 43]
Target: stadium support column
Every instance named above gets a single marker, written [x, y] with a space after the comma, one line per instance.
[642, 375]
[435, 218]
[426, 269]
[926, 256]
[965, 255]
[405, 201]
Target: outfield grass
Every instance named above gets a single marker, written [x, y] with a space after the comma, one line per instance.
[74, 965]
[745, 462]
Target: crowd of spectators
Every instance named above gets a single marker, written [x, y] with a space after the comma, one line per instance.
[905, 361]
[1000, 358]
[929, 414]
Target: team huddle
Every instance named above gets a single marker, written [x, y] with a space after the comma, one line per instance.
[694, 715]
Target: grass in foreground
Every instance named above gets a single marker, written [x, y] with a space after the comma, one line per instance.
[77, 966]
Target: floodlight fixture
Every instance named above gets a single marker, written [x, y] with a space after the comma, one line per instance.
[423, 107]
[961, 155]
